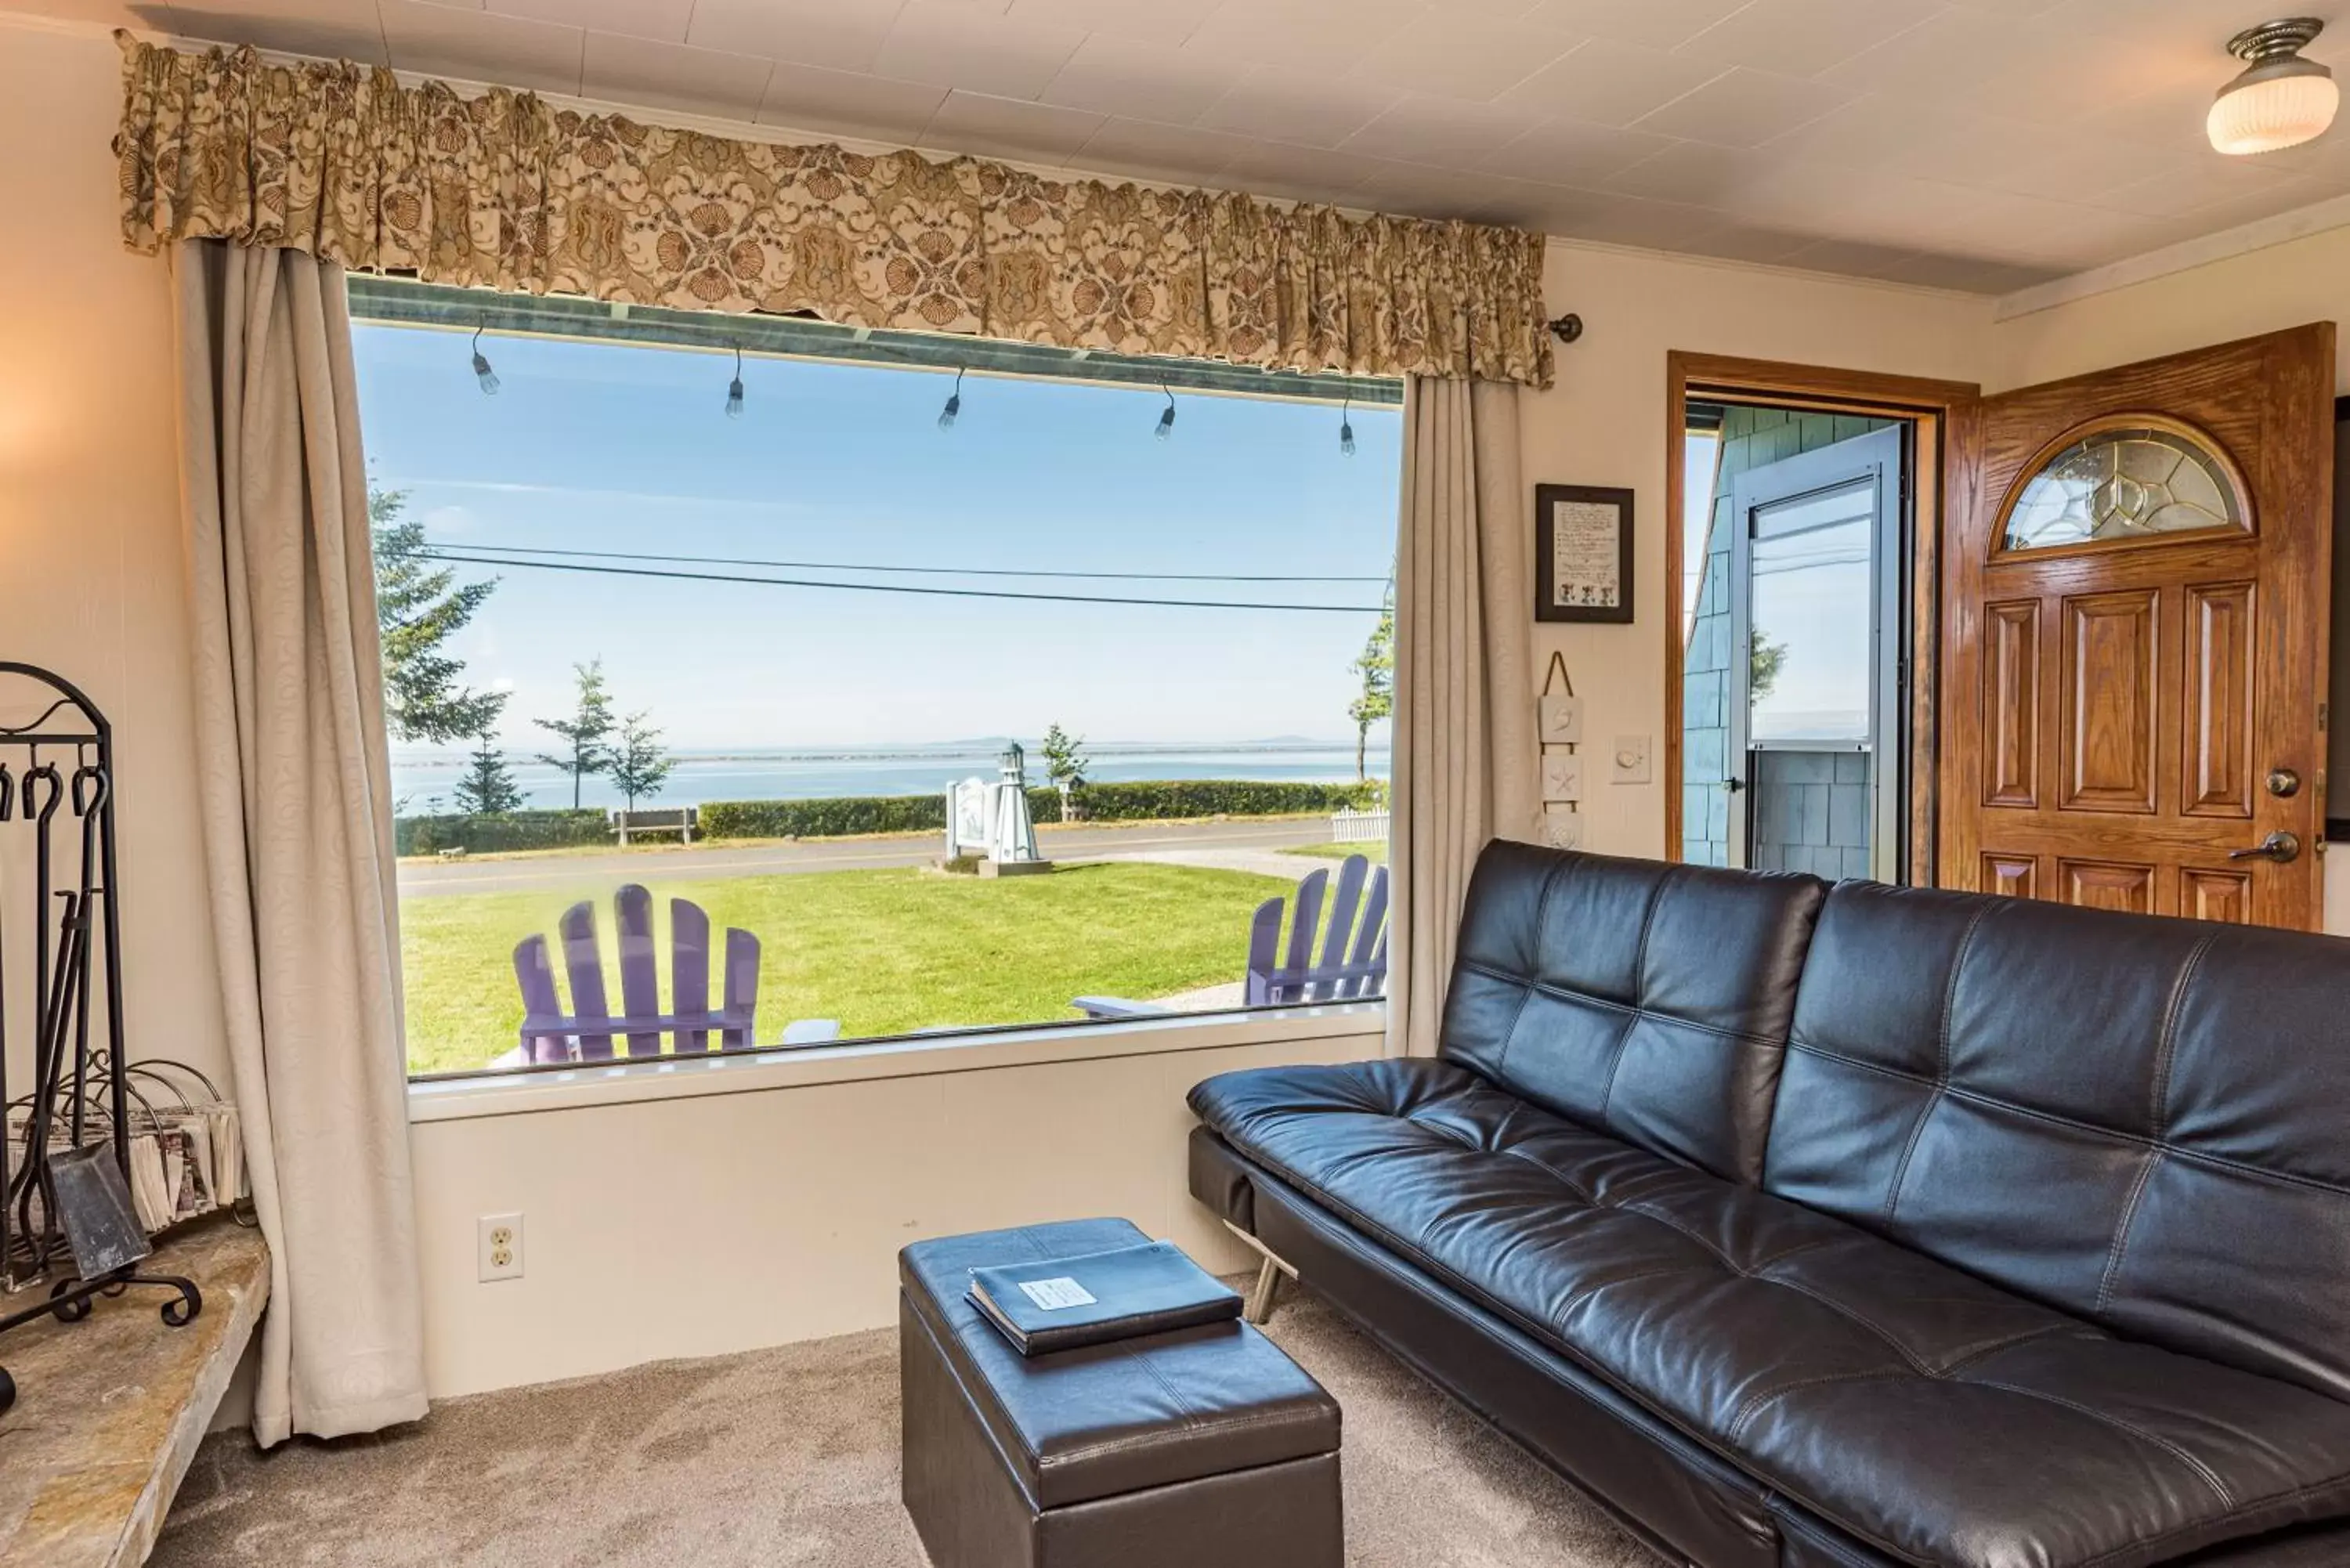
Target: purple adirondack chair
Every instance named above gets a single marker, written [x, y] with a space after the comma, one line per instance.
[586, 1033]
[1353, 963]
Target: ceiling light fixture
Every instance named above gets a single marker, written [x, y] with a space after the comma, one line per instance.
[2281, 99]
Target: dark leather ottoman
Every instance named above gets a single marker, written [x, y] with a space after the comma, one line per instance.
[1202, 1446]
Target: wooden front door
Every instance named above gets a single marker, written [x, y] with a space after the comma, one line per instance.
[2135, 608]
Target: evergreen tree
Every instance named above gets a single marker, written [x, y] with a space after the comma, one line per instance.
[1375, 700]
[588, 727]
[418, 607]
[487, 787]
[1066, 763]
[638, 764]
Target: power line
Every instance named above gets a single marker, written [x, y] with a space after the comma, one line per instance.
[444, 554]
[926, 571]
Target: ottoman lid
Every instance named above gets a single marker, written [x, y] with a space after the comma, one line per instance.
[1110, 1418]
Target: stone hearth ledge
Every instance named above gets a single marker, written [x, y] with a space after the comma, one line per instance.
[109, 1410]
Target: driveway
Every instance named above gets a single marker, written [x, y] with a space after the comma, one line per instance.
[1251, 844]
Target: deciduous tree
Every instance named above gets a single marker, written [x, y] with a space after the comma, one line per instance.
[1374, 667]
[640, 764]
[1066, 763]
[1765, 659]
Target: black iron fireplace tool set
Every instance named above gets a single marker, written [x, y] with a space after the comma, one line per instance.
[65, 1144]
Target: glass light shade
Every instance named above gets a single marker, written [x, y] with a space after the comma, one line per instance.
[2266, 109]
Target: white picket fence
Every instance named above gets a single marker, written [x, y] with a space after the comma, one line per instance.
[1359, 827]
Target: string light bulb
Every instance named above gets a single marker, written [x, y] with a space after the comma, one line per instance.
[1345, 428]
[954, 403]
[734, 387]
[1167, 419]
[482, 372]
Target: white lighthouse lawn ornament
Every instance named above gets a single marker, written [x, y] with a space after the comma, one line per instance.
[992, 820]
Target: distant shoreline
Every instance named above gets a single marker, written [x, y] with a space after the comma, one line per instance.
[943, 751]
[426, 785]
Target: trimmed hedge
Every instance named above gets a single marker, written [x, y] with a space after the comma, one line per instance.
[836, 817]
[486, 834]
[1149, 799]
[845, 817]
[1141, 801]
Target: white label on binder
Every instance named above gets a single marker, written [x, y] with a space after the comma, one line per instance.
[1053, 1295]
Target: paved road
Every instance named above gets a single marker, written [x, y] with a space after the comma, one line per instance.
[1152, 841]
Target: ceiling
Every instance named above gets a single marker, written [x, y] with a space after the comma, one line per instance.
[1982, 145]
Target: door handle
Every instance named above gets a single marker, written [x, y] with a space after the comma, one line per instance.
[2279, 847]
[1733, 786]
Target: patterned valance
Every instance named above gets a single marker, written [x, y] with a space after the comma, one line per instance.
[504, 191]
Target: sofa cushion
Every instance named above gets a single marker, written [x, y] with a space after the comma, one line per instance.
[2145, 1122]
[1645, 1000]
[1935, 1416]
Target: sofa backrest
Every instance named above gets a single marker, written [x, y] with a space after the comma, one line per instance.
[1644, 1000]
[2143, 1121]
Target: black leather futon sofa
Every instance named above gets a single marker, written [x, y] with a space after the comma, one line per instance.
[1840, 1225]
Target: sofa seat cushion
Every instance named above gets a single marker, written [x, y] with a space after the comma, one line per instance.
[1939, 1418]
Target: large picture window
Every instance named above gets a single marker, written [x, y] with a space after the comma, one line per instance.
[864, 685]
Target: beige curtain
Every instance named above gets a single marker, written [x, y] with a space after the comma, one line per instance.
[1464, 724]
[293, 784]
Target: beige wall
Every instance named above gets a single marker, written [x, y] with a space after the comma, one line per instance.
[91, 573]
[1604, 423]
[2261, 291]
[2283, 285]
[698, 1226]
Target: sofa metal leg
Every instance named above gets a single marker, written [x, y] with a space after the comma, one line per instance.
[1264, 1294]
[1258, 1308]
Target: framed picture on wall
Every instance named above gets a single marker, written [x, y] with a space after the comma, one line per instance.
[1583, 553]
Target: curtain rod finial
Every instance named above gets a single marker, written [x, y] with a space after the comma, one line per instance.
[1567, 328]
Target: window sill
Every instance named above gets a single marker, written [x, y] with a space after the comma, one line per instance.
[620, 1082]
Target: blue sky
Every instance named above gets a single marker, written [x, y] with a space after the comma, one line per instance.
[614, 447]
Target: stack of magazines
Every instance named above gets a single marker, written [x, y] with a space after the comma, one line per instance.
[187, 1154]
[1064, 1302]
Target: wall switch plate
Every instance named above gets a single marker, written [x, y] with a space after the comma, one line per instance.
[501, 1247]
[1630, 759]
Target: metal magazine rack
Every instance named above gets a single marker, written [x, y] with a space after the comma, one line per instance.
[66, 1139]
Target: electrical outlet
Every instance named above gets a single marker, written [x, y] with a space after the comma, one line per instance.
[501, 1247]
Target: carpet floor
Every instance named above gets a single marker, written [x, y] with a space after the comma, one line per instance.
[790, 1457]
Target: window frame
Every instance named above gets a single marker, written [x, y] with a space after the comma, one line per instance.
[382, 300]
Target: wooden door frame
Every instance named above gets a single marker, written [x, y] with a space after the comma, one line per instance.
[1941, 412]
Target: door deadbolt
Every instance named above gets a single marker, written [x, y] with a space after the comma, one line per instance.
[2279, 847]
[2283, 782]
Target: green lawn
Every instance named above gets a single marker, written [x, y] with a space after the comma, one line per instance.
[1376, 854]
[883, 952]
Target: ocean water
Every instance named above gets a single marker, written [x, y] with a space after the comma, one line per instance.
[422, 785]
